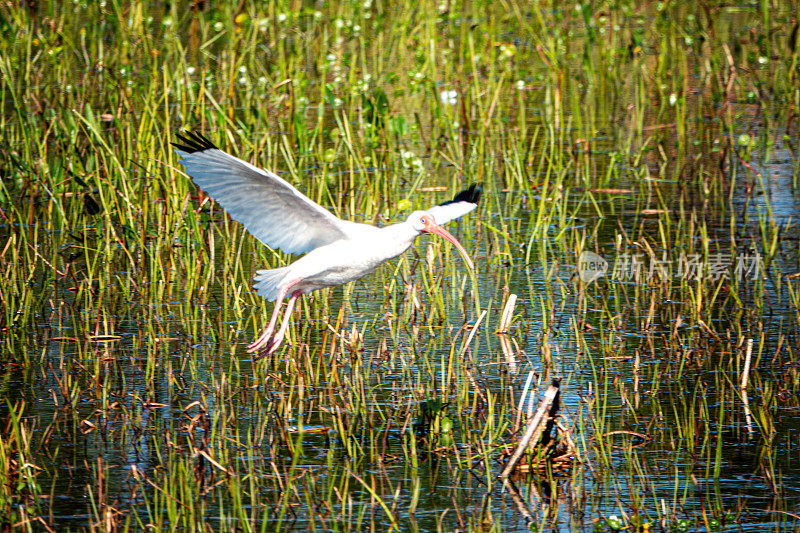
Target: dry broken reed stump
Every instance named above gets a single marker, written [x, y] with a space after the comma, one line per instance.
[546, 442]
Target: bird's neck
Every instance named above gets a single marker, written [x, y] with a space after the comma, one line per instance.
[397, 238]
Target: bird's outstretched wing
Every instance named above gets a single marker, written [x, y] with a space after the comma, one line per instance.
[463, 203]
[271, 209]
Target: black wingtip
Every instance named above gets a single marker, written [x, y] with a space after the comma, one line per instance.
[191, 142]
[471, 194]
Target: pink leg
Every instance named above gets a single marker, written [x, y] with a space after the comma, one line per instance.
[267, 333]
[278, 339]
[263, 339]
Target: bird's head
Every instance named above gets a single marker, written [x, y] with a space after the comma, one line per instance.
[423, 222]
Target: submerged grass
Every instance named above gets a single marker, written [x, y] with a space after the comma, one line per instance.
[661, 136]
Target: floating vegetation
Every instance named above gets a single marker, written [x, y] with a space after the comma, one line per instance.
[546, 442]
[635, 248]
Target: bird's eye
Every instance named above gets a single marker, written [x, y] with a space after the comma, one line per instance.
[425, 220]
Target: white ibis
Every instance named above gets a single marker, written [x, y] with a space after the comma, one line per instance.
[280, 216]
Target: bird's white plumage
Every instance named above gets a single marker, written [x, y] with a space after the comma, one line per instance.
[274, 211]
[339, 262]
[444, 213]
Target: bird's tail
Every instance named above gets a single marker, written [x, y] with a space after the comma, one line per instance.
[267, 282]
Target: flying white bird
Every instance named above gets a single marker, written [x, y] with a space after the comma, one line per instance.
[280, 216]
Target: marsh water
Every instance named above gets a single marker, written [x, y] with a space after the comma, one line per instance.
[661, 139]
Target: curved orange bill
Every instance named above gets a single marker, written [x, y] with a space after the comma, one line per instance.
[441, 232]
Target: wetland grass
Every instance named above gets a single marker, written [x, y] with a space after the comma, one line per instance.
[659, 136]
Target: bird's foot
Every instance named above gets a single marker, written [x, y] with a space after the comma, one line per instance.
[265, 348]
[263, 351]
[256, 345]
[262, 340]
